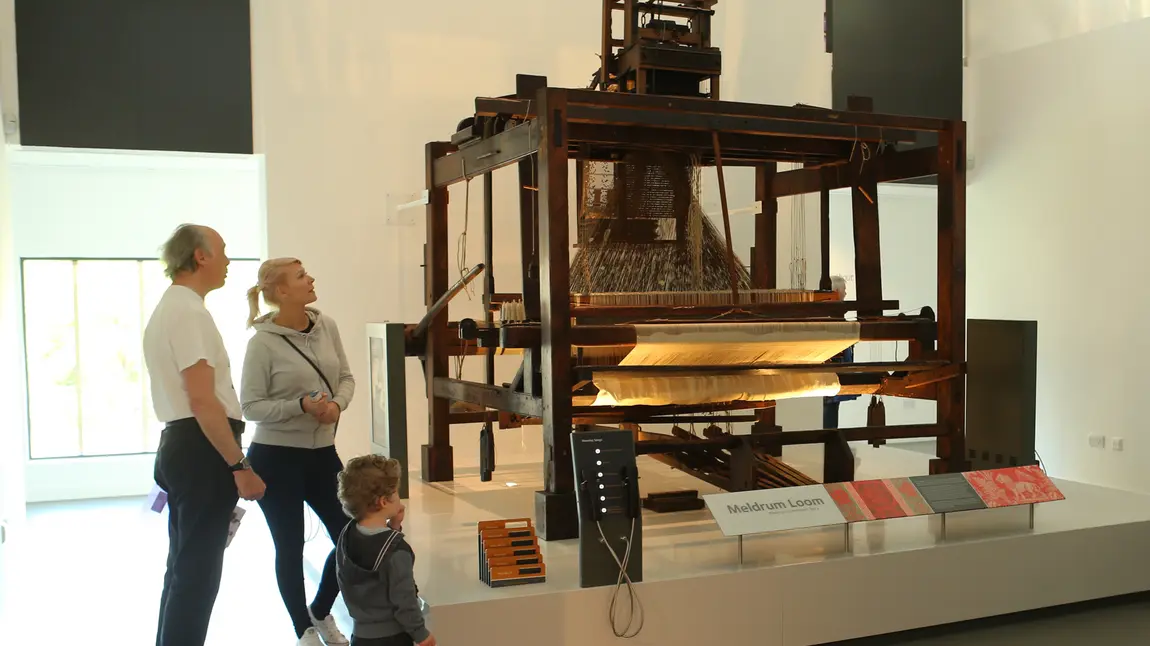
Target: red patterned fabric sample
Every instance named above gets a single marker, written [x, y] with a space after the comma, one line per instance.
[851, 507]
[1013, 486]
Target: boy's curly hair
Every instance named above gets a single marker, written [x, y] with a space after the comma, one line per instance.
[366, 479]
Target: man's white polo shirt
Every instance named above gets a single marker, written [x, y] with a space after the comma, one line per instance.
[180, 333]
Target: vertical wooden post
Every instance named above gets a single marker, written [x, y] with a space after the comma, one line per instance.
[864, 204]
[555, 511]
[952, 296]
[489, 259]
[486, 434]
[765, 253]
[529, 233]
[868, 258]
[838, 460]
[732, 269]
[764, 271]
[526, 87]
[437, 457]
[608, 7]
[825, 239]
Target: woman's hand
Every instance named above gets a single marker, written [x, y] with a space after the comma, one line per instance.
[329, 414]
[315, 407]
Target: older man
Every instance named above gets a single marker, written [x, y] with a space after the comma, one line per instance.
[831, 404]
[200, 463]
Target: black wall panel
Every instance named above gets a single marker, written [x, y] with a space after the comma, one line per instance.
[905, 54]
[1001, 392]
[170, 75]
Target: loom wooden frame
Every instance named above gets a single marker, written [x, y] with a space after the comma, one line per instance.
[540, 128]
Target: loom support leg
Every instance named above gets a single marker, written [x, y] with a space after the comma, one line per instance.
[437, 455]
[951, 394]
[556, 515]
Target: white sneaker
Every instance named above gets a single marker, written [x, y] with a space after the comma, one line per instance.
[310, 638]
[328, 629]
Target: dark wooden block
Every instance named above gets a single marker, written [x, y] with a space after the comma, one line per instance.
[438, 463]
[669, 501]
[556, 516]
[1001, 387]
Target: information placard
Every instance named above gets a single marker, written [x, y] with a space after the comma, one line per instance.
[773, 510]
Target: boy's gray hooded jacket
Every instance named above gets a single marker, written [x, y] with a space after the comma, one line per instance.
[377, 580]
[276, 378]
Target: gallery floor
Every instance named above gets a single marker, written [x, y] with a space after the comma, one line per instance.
[85, 567]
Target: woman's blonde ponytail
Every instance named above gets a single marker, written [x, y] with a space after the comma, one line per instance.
[253, 304]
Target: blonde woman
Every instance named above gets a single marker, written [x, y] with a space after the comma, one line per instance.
[295, 384]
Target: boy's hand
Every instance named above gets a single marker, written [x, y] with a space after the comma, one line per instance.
[430, 641]
[396, 522]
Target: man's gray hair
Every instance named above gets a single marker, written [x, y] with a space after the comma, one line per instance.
[179, 252]
[839, 285]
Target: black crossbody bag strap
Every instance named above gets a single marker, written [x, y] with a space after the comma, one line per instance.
[317, 371]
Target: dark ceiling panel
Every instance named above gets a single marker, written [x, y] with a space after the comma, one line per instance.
[905, 54]
[135, 74]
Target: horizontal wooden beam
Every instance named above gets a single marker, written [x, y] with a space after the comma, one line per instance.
[670, 444]
[888, 167]
[858, 434]
[489, 396]
[614, 112]
[638, 313]
[666, 444]
[487, 155]
[869, 367]
[648, 413]
[510, 106]
[733, 145]
[733, 108]
[921, 385]
[527, 335]
[747, 125]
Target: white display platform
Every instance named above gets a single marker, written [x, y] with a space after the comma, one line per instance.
[794, 588]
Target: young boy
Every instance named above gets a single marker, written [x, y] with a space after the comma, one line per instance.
[374, 564]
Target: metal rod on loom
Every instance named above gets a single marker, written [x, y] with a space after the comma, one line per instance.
[435, 309]
[726, 216]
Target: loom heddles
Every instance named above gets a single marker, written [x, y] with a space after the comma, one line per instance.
[642, 230]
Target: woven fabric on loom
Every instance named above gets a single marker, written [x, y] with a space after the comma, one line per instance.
[732, 344]
[641, 228]
[630, 389]
[726, 344]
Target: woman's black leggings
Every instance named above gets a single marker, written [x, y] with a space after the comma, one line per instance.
[294, 477]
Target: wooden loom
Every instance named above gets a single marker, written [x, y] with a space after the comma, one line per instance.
[540, 128]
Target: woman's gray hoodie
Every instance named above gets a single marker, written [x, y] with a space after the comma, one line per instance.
[276, 377]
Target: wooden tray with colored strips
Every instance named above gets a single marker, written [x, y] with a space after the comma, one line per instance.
[509, 553]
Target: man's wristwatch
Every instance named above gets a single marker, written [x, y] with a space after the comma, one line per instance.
[242, 465]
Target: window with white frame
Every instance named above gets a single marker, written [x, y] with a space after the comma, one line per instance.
[88, 391]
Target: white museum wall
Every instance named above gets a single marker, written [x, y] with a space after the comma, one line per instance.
[12, 433]
[1056, 231]
[996, 27]
[347, 94]
[121, 204]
